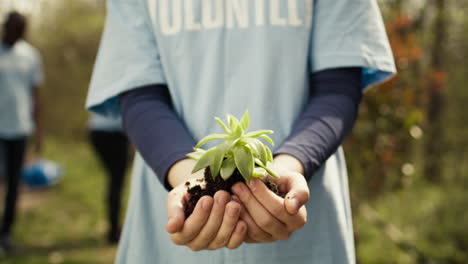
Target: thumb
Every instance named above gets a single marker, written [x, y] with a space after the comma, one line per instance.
[174, 224]
[297, 195]
[175, 213]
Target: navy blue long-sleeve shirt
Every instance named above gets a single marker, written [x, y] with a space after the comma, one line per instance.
[152, 124]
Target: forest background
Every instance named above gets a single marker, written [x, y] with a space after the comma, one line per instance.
[409, 162]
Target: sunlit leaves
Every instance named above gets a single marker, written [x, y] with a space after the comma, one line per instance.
[227, 169]
[258, 133]
[239, 149]
[259, 172]
[205, 160]
[208, 138]
[244, 161]
[245, 121]
[233, 122]
[259, 150]
[268, 139]
[218, 156]
[197, 154]
[221, 123]
[268, 167]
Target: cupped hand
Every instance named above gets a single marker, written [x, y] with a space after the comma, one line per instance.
[270, 217]
[213, 224]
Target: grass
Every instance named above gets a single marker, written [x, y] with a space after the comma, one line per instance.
[65, 223]
[430, 219]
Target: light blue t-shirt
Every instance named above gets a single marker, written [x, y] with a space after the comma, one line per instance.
[226, 56]
[20, 72]
[98, 122]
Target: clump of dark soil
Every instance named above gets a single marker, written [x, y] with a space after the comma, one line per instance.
[211, 186]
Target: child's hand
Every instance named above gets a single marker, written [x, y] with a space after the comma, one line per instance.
[269, 217]
[213, 224]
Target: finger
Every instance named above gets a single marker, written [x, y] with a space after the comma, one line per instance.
[275, 205]
[230, 219]
[210, 229]
[175, 211]
[254, 233]
[238, 235]
[260, 215]
[195, 222]
[297, 195]
[272, 202]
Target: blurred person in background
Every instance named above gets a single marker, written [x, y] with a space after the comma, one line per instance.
[20, 75]
[112, 147]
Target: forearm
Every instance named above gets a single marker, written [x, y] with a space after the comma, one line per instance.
[289, 162]
[157, 132]
[181, 171]
[326, 120]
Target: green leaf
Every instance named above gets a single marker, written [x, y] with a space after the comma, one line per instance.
[268, 139]
[221, 123]
[233, 122]
[205, 160]
[269, 154]
[259, 173]
[237, 133]
[258, 148]
[236, 127]
[245, 121]
[204, 140]
[240, 150]
[244, 161]
[227, 169]
[268, 167]
[218, 157]
[259, 162]
[258, 133]
[196, 155]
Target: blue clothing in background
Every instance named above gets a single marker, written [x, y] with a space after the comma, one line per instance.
[20, 72]
[99, 122]
[254, 55]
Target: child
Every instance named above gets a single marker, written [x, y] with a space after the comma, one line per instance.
[298, 66]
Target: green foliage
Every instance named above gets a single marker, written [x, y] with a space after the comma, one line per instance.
[239, 150]
[429, 218]
[389, 137]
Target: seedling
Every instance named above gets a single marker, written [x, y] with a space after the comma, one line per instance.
[239, 156]
[239, 149]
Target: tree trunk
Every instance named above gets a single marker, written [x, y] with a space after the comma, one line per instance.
[436, 97]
